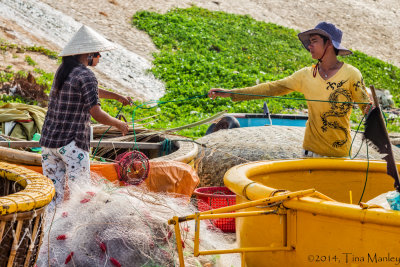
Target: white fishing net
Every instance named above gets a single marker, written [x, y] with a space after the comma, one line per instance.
[381, 200]
[106, 225]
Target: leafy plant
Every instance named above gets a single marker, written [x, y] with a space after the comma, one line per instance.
[201, 49]
[45, 78]
[30, 61]
[42, 50]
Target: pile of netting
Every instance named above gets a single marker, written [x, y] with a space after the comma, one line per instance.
[106, 225]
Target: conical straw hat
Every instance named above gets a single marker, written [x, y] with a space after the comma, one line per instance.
[85, 41]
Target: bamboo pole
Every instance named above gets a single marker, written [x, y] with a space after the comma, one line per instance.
[108, 144]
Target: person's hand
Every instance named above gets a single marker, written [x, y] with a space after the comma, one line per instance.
[122, 126]
[125, 100]
[368, 108]
[214, 92]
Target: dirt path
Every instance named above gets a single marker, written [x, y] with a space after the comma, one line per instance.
[370, 26]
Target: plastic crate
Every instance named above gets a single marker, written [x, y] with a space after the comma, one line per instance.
[214, 198]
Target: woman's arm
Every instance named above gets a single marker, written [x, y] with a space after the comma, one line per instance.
[111, 95]
[99, 115]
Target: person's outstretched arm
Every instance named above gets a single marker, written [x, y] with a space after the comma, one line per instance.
[260, 91]
[111, 95]
[101, 116]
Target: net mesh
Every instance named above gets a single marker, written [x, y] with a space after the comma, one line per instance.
[106, 225]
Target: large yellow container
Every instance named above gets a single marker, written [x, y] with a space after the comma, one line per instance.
[313, 231]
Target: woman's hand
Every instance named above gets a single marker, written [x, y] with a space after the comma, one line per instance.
[214, 92]
[111, 95]
[368, 108]
[122, 126]
[125, 100]
[99, 115]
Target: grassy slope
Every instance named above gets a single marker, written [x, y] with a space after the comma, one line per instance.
[200, 49]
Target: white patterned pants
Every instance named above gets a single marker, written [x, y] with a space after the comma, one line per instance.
[310, 154]
[63, 164]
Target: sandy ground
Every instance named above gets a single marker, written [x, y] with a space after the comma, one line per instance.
[370, 26]
[17, 35]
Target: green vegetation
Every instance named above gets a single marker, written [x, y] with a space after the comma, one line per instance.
[43, 51]
[45, 78]
[200, 49]
[30, 61]
[4, 99]
[7, 75]
[5, 46]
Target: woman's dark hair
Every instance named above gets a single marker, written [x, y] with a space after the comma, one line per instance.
[67, 65]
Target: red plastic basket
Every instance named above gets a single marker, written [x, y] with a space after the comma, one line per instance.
[214, 198]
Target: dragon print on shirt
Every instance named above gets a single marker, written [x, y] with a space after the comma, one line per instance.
[336, 110]
[359, 84]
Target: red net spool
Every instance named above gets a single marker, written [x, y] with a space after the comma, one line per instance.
[132, 167]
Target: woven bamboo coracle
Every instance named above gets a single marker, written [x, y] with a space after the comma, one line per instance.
[24, 195]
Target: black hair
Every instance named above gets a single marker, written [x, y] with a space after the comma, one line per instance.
[336, 50]
[90, 59]
[325, 39]
[67, 65]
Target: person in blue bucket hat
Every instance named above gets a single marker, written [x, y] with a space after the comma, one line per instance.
[335, 84]
[327, 32]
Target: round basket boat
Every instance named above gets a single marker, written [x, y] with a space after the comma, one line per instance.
[24, 195]
[180, 149]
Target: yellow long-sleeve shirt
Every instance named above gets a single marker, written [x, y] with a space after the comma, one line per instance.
[328, 126]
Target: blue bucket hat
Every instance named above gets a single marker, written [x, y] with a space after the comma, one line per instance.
[329, 30]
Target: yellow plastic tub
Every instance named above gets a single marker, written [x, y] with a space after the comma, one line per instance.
[312, 230]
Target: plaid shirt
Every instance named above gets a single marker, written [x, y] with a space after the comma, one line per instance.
[68, 116]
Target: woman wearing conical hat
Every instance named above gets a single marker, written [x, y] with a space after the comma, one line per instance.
[331, 84]
[74, 99]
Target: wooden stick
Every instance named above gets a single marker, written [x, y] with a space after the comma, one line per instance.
[216, 116]
[33, 240]
[20, 157]
[14, 246]
[141, 145]
[390, 158]
[376, 101]
[2, 227]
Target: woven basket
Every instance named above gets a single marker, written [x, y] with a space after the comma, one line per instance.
[24, 195]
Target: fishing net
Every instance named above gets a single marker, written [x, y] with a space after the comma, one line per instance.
[227, 148]
[105, 225]
[132, 167]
